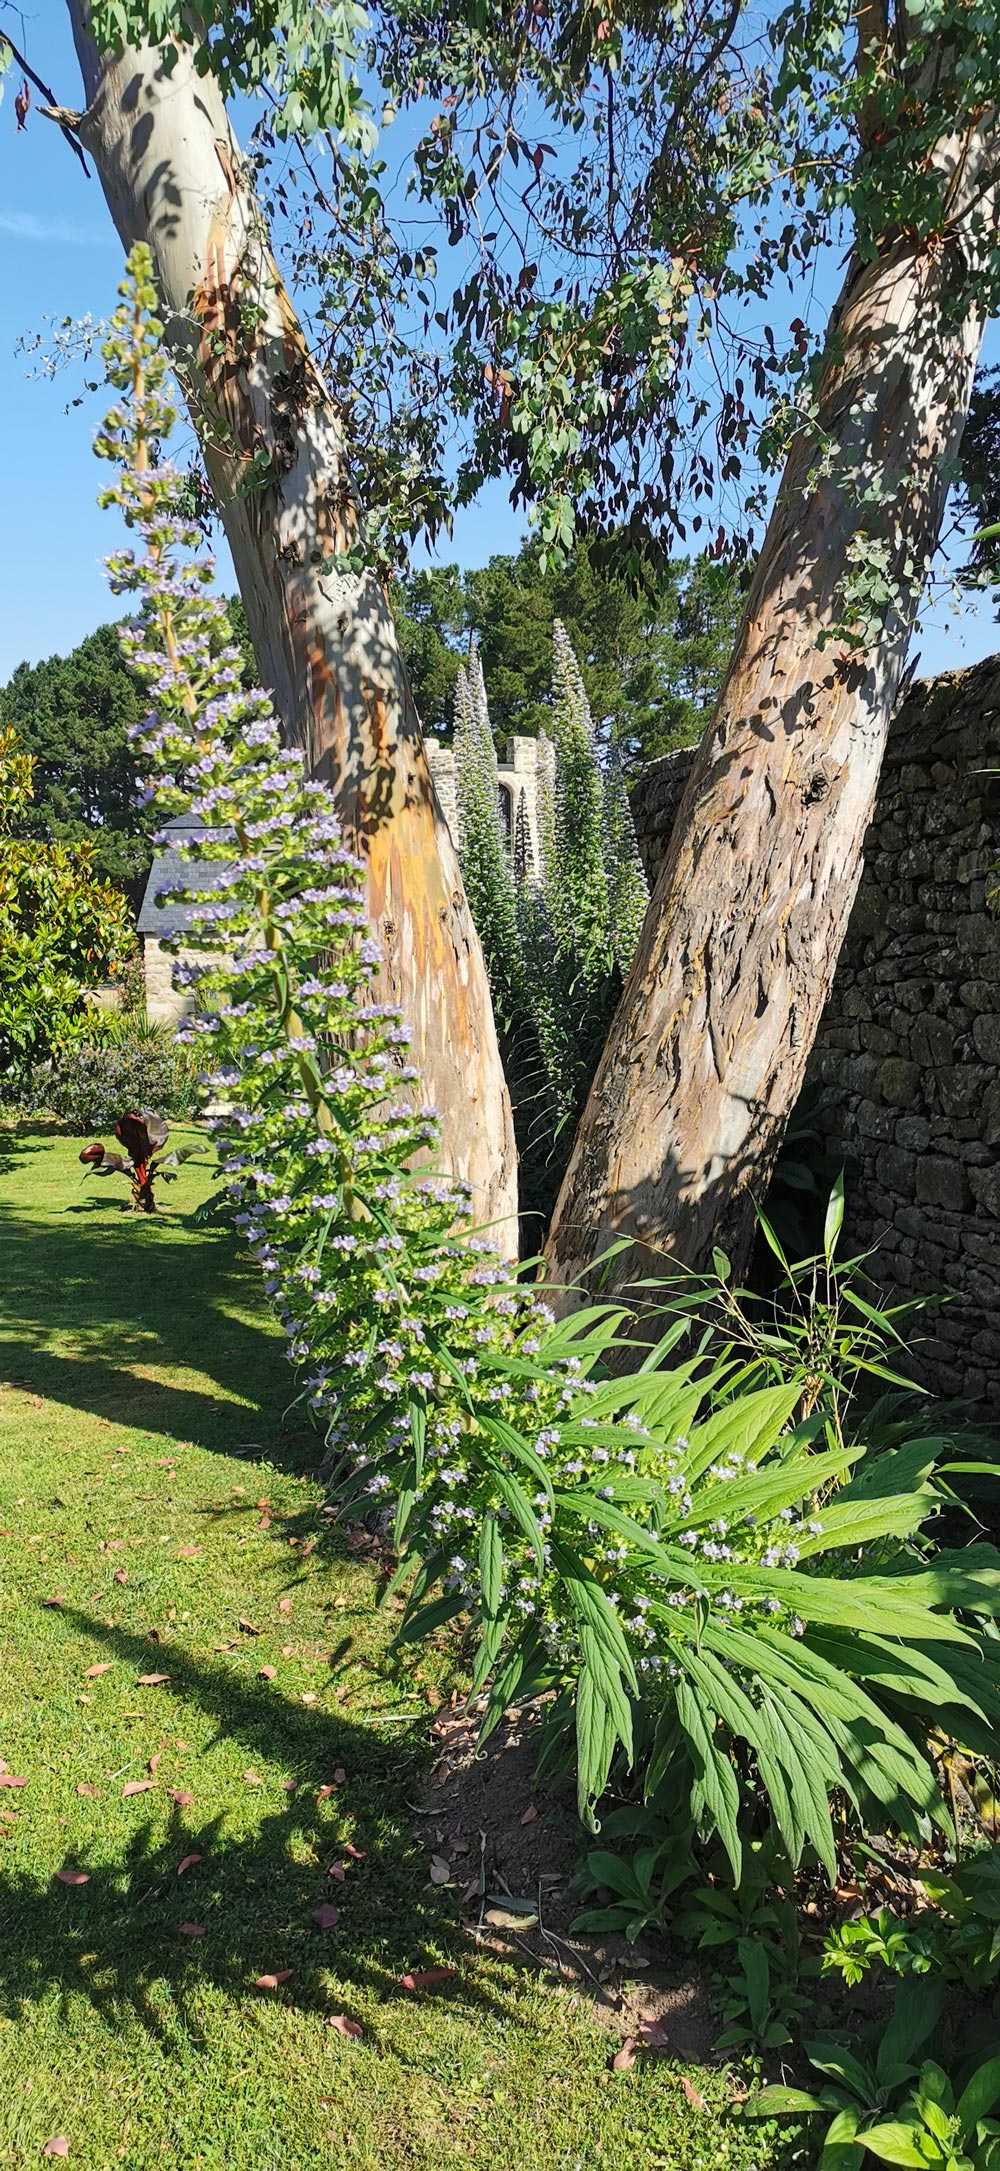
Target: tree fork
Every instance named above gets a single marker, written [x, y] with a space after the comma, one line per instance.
[322, 631]
[709, 1046]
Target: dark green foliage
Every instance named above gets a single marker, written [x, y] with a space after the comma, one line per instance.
[651, 661]
[431, 614]
[135, 1066]
[891, 2103]
[73, 714]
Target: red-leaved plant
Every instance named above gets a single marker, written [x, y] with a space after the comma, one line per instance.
[143, 1137]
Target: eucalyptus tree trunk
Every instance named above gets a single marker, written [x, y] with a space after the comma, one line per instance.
[322, 633]
[708, 1049]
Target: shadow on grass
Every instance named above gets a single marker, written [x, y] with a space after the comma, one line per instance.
[118, 1940]
[133, 1295]
[21, 1136]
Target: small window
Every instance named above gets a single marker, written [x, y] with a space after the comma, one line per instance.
[507, 809]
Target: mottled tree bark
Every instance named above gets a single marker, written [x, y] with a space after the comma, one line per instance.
[323, 635]
[707, 1053]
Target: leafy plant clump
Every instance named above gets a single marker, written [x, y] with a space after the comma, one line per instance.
[61, 930]
[889, 2102]
[690, 1562]
[131, 1065]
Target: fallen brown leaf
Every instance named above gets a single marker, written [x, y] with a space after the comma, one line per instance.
[267, 1673]
[354, 1852]
[343, 2025]
[652, 2034]
[93, 1671]
[338, 1871]
[271, 1982]
[58, 2146]
[8, 1779]
[93, 1793]
[625, 2058]
[192, 1929]
[120, 1575]
[58, 1598]
[426, 1978]
[252, 1779]
[73, 1876]
[530, 1814]
[696, 2101]
[152, 1680]
[325, 1917]
[188, 1863]
[183, 1801]
[249, 1628]
[440, 1870]
[138, 1786]
[284, 1605]
[188, 1552]
[153, 1762]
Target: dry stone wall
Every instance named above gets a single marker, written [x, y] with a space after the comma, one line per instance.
[908, 1053]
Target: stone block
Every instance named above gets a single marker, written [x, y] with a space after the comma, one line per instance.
[913, 1132]
[932, 1043]
[876, 1121]
[986, 1037]
[896, 1170]
[899, 1083]
[985, 1184]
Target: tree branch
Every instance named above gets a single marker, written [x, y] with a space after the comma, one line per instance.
[53, 112]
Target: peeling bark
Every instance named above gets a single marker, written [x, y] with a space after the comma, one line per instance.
[324, 637]
[708, 1050]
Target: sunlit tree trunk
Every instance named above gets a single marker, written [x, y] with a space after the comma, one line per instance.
[323, 634]
[707, 1053]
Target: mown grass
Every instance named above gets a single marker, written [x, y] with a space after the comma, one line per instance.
[155, 1494]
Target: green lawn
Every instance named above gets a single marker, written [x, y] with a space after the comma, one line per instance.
[155, 1493]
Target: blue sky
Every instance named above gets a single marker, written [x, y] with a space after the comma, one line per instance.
[61, 259]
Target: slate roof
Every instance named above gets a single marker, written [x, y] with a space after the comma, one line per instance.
[170, 870]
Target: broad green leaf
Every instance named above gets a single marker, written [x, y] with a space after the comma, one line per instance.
[895, 2143]
[978, 2098]
[780, 2103]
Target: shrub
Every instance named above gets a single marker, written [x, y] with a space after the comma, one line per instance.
[90, 1082]
[693, 1560]
[61, 930]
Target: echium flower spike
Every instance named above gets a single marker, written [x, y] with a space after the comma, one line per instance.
[577, 884]
[437, 1375]
[484, 851]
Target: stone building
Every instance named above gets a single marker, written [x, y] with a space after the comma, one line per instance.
[517, 776]
[165, 1003]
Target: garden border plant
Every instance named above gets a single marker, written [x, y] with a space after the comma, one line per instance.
[690, 1563]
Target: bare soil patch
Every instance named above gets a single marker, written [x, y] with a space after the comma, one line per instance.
[510, 1849]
